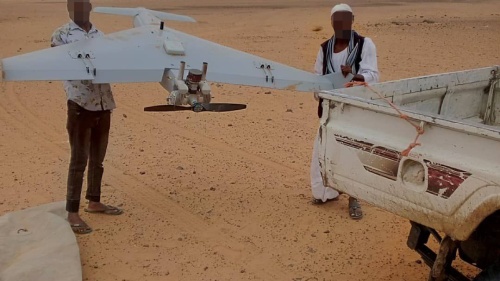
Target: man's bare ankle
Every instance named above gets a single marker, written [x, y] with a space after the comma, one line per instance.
[94, 203]
[73, 216]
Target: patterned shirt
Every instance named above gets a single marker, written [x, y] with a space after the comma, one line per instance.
[93, 97]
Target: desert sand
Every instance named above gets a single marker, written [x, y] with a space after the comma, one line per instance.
[226, 196]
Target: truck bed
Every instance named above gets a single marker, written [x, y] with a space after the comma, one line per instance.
[450, 181]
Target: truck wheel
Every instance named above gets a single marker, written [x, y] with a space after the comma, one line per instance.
[491, 273]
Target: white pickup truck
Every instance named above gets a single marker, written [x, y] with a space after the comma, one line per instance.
[448, 183]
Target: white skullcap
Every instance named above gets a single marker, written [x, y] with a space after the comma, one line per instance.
[341, 7]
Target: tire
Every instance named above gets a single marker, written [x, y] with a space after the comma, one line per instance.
[490, 273]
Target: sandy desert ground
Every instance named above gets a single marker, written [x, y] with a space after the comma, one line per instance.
[226, 196]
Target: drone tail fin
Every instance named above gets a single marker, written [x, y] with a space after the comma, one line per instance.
[136, 11]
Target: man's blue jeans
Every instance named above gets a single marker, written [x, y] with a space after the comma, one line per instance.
[88, 138]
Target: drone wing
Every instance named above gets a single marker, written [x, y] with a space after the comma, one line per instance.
[132, 55]
[143, 54]
[227, 65]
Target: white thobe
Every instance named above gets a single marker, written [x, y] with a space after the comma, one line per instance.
[368, 66]
[369, 69]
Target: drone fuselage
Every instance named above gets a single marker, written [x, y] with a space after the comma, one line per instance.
[183, 91]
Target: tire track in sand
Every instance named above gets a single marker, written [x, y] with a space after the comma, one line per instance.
[207, 141]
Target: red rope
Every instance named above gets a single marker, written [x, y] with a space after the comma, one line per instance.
[419, 130]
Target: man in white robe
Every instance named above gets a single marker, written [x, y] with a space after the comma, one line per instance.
[347, 52]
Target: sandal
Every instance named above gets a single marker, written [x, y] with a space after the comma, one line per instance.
[355, 209]
[80, 228]
[110, 210]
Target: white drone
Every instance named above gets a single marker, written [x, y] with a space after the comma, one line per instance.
[150, 52]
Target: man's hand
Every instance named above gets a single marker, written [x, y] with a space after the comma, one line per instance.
[346, 69]
[358, 77]
[316, 96]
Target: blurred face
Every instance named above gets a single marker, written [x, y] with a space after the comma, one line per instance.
[342, 24]
[79, 11]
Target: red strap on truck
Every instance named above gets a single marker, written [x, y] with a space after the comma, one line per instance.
[420, 130]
